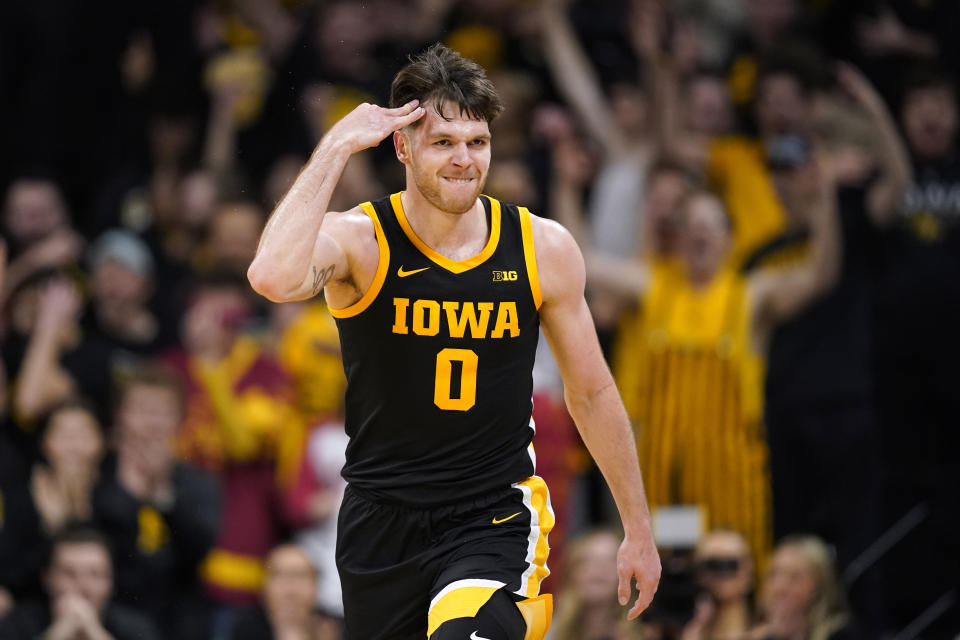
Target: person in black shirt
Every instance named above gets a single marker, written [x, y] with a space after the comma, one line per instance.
[824, 441]
[48, 356]
[78, 580]
[121, 287]
[20, 553]
[162, 516]
[917, 319]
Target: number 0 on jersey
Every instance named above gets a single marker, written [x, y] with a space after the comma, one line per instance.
[443, 391]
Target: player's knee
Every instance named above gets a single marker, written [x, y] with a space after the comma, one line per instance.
[501, 618]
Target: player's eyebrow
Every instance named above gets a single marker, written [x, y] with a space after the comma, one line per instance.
[449, 135]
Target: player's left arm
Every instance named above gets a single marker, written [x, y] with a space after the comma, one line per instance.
[594, 403]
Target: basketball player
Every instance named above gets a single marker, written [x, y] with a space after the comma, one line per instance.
[439, 294]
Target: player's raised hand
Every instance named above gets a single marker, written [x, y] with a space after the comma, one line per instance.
[638, 560]
[368, 124]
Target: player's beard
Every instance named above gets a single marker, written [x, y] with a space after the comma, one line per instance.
[451, 200]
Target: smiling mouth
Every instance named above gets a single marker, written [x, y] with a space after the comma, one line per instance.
[459, 180]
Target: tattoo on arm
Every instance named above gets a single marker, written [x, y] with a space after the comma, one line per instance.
[321, 277]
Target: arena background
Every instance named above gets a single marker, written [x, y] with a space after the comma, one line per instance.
[142, 146]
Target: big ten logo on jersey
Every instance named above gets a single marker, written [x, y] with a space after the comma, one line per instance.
[427, 317]
[504, 276]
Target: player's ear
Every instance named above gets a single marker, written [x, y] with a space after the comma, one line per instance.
[401, 144]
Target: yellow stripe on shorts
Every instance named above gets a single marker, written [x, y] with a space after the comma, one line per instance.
[536, 499]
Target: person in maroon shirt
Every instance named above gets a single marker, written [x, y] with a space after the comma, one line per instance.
[240, 423]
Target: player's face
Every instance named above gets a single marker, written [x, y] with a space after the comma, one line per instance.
[448, 157]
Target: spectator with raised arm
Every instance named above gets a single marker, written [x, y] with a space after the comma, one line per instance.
[917, 349]
[621, 134]
[36, 222]
[691, 107]
[704, 336]
[819, 391]
[736, 165]
[48, 356]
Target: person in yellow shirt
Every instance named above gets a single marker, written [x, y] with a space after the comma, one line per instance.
[737, 166]
[309, 352]
[703, 333]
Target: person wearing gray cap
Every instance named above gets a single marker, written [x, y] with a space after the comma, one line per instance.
[121, 286]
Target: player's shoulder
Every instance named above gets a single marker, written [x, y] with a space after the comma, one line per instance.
[552, 240]
[351, 221]
[353, 229]
[560, 265]
[356, 234]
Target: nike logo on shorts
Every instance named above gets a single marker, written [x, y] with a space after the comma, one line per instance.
[495, 521]
[474, 636]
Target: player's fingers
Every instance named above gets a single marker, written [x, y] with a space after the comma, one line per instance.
[644, 598]
[403, 110]
[409, 118]
[635, 610]
[623, 586]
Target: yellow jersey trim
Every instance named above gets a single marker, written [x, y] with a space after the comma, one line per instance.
[454, 266]
[378, 279]
[530, 255]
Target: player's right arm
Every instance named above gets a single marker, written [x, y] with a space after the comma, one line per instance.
[302, 248]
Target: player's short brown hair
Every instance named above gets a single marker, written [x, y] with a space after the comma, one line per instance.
[442, 75]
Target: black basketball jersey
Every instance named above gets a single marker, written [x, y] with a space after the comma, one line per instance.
[439, 357]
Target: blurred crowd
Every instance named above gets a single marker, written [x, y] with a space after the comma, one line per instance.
[767, 195]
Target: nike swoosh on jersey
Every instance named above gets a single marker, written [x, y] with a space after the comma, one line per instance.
[495, 521]
[403, 274]
[474, 636]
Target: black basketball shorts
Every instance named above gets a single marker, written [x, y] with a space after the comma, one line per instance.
[405, 571]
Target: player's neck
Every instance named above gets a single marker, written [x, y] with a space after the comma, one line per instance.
[446, 232]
